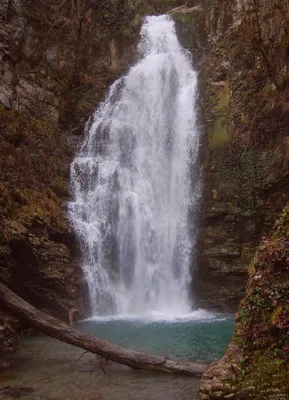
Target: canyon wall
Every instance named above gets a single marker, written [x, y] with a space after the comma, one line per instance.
[242, 59]
[245, 178]
[57, 60]
[246, 187]
[256, 363]
[56, 64]
[246, 113]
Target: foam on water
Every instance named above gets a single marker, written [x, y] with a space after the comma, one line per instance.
[156, 316]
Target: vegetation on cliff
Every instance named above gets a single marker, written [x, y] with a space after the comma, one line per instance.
[247, 170]
[247, 110]
[246, 85]
[256, 364]
[56, 63]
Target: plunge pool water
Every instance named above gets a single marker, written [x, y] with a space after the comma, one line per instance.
[46, 369]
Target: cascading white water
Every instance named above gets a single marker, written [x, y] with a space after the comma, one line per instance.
[136, 184]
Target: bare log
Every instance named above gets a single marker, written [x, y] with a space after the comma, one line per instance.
[51, 326]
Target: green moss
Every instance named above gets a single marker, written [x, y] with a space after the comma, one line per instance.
[220, 134]
[256, 364]
[30, 167]
[43, 127]
[187, 18]
[258, 380]
[282, 224]
[244, 170]
[117, 17]
[263, 318]
[223, 98]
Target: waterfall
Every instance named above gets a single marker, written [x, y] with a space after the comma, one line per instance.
[136, 183]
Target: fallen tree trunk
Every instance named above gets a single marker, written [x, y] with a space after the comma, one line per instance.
[53, 327]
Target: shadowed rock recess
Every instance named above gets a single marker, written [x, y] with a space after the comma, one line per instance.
[57, 60]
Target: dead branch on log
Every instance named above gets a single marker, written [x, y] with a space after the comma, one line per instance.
[58, 330]
[79, 358]
[71, 314]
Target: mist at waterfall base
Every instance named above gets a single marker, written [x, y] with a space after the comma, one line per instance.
[136, 185]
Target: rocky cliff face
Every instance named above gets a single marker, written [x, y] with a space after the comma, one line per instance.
[56, 63]
[245, 86]
[33, 157]
[57, 59]
[256, 363]
[246, 186]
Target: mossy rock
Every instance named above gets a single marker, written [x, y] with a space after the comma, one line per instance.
[256, 364]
